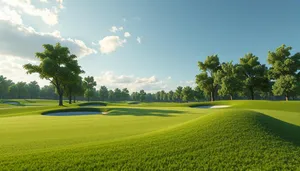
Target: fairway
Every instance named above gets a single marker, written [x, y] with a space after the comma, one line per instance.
[152, 136]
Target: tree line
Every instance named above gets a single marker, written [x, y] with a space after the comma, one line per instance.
[250, 78]
[246, 79]
[87, 91]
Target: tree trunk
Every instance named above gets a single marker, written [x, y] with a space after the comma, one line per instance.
[212, 96]
[252, 93]
[230, 97]
[74, 99]
[286, 98]
[61, 99]
[70, 99]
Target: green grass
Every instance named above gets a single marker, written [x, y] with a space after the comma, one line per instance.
[251, 135]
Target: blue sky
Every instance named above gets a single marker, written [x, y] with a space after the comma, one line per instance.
[174, 35]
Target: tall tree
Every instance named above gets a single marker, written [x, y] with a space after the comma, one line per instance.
[74, 87]
[33, 89]
[117, 94]
[13, 91]
[255, 74]
[57, 64]
[125, 94]
[103, 93]
[178, 93]
[142, 95]
[4, 85]
[78, 89]
[111, 95]
[198, 94]
[170, 96]
[206, 79]
[89, 83]
[285, 71]
[187, 94]
[230, 79]
[163, 96]
[22, 89]
[48, 92]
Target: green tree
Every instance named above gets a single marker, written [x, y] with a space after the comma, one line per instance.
[187, 94]
[285, 71]
[125, 94]
[206, 79]
[103, 93]
[170, 95]
[78, 89]
[73, 88]
[230, 79]
[89, 83]
[56, 66]
[111, 95]
[285, 85]
[4, 85]
[22, 90]
[117, 94]
[142, 95]
[198, 94]
[33, 89]
[48, 92]
[13, 91]
[88, 93]
[254, 73]
[178, 93]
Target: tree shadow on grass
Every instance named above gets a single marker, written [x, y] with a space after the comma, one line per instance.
[286, 131]
[142, 112]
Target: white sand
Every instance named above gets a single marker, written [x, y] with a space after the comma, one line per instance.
[213, 107]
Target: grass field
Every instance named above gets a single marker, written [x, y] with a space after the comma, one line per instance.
[254, 135]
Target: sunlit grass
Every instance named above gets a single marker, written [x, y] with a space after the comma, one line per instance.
[255, 135]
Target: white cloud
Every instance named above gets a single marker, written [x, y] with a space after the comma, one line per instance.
[49, 16]
[115, 29]
[190, 83]
[8, 14]
[112, 81]
[110, 44]
[60, 4]
[22, 41]
[12, 68]
[127, 34]
[46, 1]
[139, 40]
[169, 78]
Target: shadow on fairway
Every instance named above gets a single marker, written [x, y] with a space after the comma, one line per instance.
[142, 112]
[286, 131]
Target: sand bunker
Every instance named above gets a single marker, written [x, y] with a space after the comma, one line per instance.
[74, 113]
[213, 107]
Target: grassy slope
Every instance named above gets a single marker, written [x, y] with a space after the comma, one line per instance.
[21, 134]
[229, 138]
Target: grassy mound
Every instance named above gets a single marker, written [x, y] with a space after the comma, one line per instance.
[89, 104]
[75, 110]
[228, 139]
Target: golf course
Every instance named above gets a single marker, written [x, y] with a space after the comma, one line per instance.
[251, 135]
